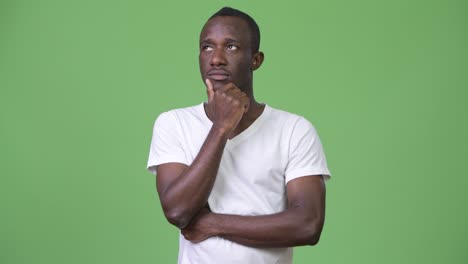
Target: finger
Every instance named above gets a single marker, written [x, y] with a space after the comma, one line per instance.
[229, 87]
[244, 101]
[246, 105]
[234, 93]
[241, 97]
[209, 90]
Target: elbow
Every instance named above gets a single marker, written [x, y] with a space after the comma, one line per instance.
[313, 239]
[177, 218]
[175, 214]
[311, 233]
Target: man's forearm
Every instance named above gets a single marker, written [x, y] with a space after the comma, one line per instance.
[290, 228]
[286, 229]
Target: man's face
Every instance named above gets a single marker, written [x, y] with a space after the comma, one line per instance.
[226, 52]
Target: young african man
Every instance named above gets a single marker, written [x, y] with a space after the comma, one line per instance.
[242, 180]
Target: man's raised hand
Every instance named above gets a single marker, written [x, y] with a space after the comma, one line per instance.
[226, 106]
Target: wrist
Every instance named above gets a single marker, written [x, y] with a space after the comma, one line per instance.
[220, 131]
[215, 226]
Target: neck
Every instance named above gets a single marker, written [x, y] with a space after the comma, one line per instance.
[255, 108]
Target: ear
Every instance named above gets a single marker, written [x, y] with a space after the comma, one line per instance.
[257, 60]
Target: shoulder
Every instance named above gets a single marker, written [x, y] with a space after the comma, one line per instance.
[290, 121]
[185, 114]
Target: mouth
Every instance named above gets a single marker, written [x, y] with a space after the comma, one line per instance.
[218, 75]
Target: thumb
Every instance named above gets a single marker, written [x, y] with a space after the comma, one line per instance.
[209, 90]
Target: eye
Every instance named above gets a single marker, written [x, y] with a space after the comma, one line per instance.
[207, 48]
[231, 47]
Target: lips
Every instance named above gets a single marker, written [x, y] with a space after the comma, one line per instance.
[218, 75]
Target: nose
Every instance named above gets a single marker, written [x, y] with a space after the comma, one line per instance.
[218, 58]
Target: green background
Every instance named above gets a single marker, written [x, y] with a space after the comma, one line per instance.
[81, 82]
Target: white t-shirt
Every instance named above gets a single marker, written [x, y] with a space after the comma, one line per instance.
[255, 167]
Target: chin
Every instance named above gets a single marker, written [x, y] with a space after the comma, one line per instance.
[218, 85]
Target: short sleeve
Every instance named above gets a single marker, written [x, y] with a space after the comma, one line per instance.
[166, 143]
[306, 155]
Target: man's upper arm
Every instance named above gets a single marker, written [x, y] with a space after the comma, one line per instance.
[306, 191]
[167, 159]
[307, 194]
[167, 174]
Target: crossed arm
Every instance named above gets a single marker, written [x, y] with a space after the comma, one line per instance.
[184, 191]
[300, 224]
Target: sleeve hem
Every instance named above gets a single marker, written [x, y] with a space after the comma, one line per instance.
[308, 172]
[151, 166]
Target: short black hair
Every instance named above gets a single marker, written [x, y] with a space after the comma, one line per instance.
[254, 30]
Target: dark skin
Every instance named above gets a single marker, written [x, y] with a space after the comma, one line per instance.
[227, 62]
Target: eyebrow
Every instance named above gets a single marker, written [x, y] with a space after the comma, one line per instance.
[230, 40]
